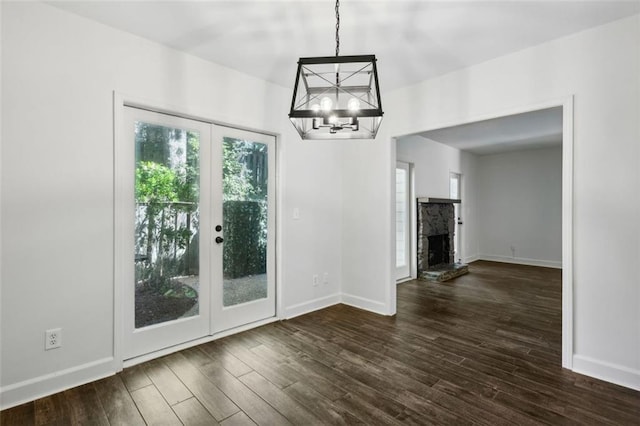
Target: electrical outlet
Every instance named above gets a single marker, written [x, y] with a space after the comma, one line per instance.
[316, 279]
[325, 278]
[52, 339]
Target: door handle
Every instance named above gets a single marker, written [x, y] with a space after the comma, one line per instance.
[219, 240]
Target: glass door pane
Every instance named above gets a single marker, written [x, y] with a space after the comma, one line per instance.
[245, 174]
[455, 193]
[403, 220]
[167, 218]
[401, 216]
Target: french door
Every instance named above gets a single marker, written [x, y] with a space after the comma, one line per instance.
[198, 245]
[244, 264]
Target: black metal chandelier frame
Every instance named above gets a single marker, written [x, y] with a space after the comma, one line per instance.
[332, 81]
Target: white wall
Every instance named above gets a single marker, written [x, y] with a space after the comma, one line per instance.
[520, 207]
[311, 174]
[58, 75]
[433, 162]
[600, 67]
[470, 237]
[368, 196]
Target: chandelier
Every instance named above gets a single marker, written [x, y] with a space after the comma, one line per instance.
[337, 97]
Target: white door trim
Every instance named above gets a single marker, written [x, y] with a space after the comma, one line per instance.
[457, 238]
[567, 233]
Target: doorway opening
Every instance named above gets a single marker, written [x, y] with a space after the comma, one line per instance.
[441, 153]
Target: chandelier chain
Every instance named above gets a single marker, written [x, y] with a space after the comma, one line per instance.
[337, 27]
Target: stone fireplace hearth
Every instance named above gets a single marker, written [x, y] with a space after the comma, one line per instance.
[436, 227]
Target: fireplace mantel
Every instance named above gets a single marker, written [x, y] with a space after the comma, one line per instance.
[431, 200]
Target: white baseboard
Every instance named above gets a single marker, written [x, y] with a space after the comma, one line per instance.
[470, 259]
[313, 305]
[48, 384]
[608, 372]
[404, 280]
[363, 303]
[521, 261]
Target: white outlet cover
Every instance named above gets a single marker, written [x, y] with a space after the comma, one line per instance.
[53, 339]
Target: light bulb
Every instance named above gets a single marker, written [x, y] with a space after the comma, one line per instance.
[326, 103]
[353, 104]
[315, 107]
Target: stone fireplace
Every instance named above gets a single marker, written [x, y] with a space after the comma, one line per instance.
[436, 231]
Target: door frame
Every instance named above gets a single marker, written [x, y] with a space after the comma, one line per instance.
[457, 238]
[567, 104]
[121, 217]
[410, 204]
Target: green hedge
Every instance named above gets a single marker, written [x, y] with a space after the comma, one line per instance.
[245, 238]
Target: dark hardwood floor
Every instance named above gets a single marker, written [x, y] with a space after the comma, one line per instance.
[481, 349]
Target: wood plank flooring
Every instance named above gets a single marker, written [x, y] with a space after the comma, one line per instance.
[481, 349]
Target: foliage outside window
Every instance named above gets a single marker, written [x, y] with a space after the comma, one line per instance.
[245, 208]
[167, 214]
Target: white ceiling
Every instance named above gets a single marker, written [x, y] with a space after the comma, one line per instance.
[413, 40]
[530, 130]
